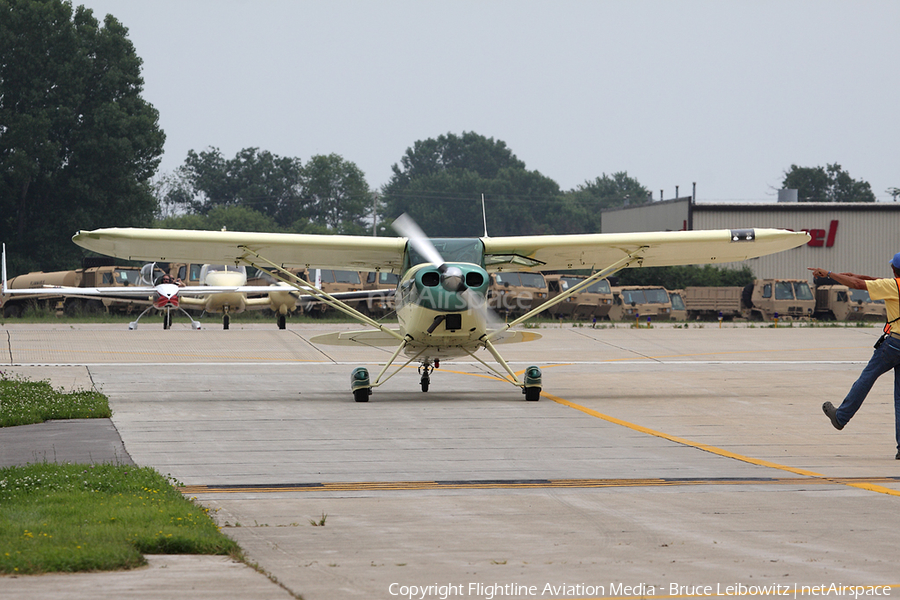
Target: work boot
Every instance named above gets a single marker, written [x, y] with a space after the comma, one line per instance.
[829, 409]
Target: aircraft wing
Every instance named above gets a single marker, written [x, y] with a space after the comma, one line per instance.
[87, 292]
[521, 253]
[656, 249]
[359, 253]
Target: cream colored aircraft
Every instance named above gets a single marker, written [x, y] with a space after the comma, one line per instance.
[440, 299]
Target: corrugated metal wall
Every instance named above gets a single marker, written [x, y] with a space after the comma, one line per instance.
[856, 238]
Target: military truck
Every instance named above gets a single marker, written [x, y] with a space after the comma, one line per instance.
[679, 311]
[383, 280]
[516, 293]
[593, 301]
[710, 302]
[840, 303]
[95, 272]
[790, 299]
[640, 301]
[761, 300]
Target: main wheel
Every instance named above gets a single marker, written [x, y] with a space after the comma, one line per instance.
[532, 394]
[362, 394]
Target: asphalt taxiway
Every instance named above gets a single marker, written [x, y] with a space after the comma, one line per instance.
[657, 457]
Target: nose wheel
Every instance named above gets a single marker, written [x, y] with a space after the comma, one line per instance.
[425, 370]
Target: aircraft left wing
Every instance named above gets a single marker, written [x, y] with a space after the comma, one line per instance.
[359, 253]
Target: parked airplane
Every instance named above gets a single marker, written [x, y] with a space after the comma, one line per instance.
[164, 296]
[440, 299]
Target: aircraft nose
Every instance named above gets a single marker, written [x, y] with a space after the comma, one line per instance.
[452, 279]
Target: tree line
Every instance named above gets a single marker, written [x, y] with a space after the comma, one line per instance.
[80, 149]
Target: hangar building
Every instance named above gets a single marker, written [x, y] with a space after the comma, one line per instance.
[847, 237]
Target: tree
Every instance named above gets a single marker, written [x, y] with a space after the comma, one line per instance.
[612, 191]
[327, 194]
[439, 183]
[680, 277]
[336, 194]
[78, 144]
[265, 182]
[231, 218]
[590, 198]
[826, 184]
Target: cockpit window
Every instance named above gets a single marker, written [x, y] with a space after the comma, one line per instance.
[462, 250]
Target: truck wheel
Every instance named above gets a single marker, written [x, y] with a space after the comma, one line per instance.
[12, 310]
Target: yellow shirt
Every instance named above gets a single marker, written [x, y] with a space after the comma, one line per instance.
[886, 289]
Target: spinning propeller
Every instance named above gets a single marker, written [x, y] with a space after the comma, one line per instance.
[452, 277]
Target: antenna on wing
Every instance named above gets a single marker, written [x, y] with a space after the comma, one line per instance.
[3, 289]
[484, 216]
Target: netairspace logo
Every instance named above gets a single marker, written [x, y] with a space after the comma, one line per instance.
[490, 591]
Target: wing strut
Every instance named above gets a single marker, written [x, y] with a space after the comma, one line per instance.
[616, 266]
[292, 280]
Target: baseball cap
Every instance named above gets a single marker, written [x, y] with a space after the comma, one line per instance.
[895, 262]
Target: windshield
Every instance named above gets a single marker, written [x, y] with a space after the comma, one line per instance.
[507, 279]
[601, 287]
[633, 297]
[677, 302]
[784, 290]
[533, 280]
[128, 277]
[802, 291]
[657, 296]
[346, 277]
[861, 296]
[463, 250]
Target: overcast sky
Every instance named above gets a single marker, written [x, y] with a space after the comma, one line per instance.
[726, 94]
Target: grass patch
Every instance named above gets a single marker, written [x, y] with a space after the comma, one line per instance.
[67, 518]
[23, 402]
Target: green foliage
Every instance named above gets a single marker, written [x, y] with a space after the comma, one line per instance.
[232, 218]
[327, 194]
[336, 194]
[612, 191]
[826, 184]
[78, 143]
[68, 518]
[680, 277]
[439, 183]
[23, 402]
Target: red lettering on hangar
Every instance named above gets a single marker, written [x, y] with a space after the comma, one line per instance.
[820, 238]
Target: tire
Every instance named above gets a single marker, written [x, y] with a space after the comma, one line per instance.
[362, 394]
[532, 394]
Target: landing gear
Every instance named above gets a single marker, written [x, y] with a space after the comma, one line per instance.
[167, 320]
[359, 384]
[532, 389]
[425, 370]
[226, 320]
[282, 321]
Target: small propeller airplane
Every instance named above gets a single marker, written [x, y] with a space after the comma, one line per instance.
[167, 296]
[440, 299]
